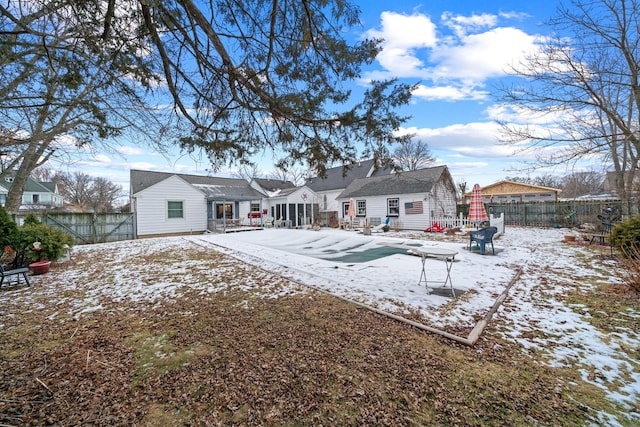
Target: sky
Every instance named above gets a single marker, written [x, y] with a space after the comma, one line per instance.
[536, 314]
[458, 52]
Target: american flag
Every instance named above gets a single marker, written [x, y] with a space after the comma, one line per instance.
[413, 208]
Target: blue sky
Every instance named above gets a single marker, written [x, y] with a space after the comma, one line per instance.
[457, 50]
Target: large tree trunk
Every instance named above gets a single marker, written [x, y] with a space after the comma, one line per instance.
[31, 159]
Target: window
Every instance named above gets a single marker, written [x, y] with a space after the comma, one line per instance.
[393, 207]
[35, 198]
[361, 208]
[324, 201]
[255, 207]
[175, 210]
[224, 210]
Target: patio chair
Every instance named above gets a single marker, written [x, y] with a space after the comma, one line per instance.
[482, 237]
[381, 227]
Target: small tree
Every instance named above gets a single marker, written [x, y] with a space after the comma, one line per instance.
[85, 192]
[52, 242]
[8, 230]
[625, 236]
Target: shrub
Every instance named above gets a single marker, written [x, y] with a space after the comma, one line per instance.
[31, 218]
[629, 272]
[8, 230]
[625, 236]
[52, 240]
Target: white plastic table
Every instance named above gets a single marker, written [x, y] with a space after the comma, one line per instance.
[446, 255]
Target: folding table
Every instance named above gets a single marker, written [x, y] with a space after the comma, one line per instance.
[446, 255]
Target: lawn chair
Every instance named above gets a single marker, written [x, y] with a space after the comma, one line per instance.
[482, 237]
[381, 227]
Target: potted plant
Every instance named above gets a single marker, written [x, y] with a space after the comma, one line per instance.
[366, 230]
[41, 244]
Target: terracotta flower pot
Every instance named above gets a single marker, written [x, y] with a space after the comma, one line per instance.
[569, 238]
[40, 267]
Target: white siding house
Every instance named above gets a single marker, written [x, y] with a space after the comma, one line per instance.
[168, 203]
[35, 195]
[327, 189]
[170, 206]
[411, 199]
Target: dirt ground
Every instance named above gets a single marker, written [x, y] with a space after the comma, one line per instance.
[239, 356]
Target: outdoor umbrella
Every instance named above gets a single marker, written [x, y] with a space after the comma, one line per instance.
[351, 210]
[477, 213]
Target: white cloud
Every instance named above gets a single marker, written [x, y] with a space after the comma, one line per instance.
[454, 61]
[102, 159]
[478, 57]
[462, 25]
[405, 31]
[130, 151]
[403, 34]
[449, 93]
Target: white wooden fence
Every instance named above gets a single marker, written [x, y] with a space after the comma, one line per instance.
[463, 222]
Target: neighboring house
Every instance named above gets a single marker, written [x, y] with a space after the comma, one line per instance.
[337, 179]
[170, 203]
[412, 199]
[36, 195]
[515, 192]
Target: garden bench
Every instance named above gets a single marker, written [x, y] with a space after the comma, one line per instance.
[14, 272]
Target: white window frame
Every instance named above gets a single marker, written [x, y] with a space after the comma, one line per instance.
[397, 207]
[169, 209]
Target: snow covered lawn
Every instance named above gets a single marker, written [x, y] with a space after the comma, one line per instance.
[544, 311]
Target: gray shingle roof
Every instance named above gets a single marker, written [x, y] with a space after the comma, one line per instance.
[213, 187]
[273, 184]
[408, 182]
[336, 181]
[32, 186]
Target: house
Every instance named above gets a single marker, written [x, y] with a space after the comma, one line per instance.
[286, 203]
[295, 206]
[328, 188]
[35, 195]
[170, 203]
[516, 192]
[412, 199]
